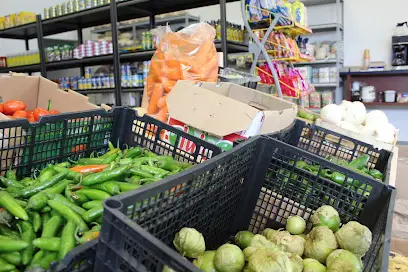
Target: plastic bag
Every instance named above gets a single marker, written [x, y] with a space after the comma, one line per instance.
[189, 54]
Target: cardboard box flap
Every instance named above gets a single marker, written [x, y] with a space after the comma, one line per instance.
[278, 120]
[210, 111]
[23, 88]
[64, 101]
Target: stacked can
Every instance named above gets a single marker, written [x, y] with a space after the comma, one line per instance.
[46, 13]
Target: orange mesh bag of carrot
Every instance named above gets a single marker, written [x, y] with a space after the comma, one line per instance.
[188, 54]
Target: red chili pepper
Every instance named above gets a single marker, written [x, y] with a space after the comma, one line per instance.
[38, 112]
[89, 168]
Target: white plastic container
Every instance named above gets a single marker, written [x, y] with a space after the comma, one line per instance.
[390, 96]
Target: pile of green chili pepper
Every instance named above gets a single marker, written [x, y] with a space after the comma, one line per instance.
[42, 218]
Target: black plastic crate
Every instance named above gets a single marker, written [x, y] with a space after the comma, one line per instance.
[27, 147]
[30, 147]
[80, 259]
[254, 186]
[324, 142]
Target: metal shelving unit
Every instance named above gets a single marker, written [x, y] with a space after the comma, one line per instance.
[336, 27]
[109, 14]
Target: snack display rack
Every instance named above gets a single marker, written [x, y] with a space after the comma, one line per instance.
[269, 24]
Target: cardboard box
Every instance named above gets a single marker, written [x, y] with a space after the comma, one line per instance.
[36, 91]
[221, 113]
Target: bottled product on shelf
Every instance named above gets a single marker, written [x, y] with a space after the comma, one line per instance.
[72, 7]
[17, 19]
[235, 32]
[26, 58]
[133, 76]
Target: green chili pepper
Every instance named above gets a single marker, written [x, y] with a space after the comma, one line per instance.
[149, 153]
[146, 181]
[67, 239]
[133, 152]
[301, 164]
[46, 174]
[92, 214]
[51, 243]
[61, 199]
[52, 227]
[14, 191]
[27, 235]
[46, 209]
[140, 161]
[89, 161]
[376, 174]
[45, 217]
[135, 180]
[48, 258]
[9, 245]
[35, 220]
[110, 159]
[9, 232]
[11, 183]
[94, 194]
[12, 206]
[154, 170]
[13, 258]
[5, 266]
[72, 175]
[79, 198]
[37, 257]
[28, 182]
[125, 187]
[92, 204]
[59, 187]
[104, 176]
[169, 165]
[64, 164]
[55, 213]
[327, 173]
[37, 202]
[32, 190]
[360, 162]
[108, 186]
[109, 153]
[111, 146]
[125, 161]
[10, 174]
[140, 173]
[68, 214]
[22, 203]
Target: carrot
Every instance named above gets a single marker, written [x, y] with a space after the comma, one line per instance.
[89, 168]
[156, 95]
[161, 102]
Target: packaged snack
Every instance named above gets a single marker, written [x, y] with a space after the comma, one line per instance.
[315, 75]
[304, 100]
[333, 74]
[9, 21]
[254, 10]
[299, 12]
[327, 98]
[314, 100]
[324, 75]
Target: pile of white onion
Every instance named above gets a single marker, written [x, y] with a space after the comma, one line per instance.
[354, 117]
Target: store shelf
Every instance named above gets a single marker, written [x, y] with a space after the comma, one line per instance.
[377, 73]
[233, 47]
[146, 23]
[73, 63]
[319, 2]
[384, 104]
[133, 90]
[318, 62]
[22, 69]
[325, 85]
[326, 27]
[95, 91]
[137, 55]
[27, 31]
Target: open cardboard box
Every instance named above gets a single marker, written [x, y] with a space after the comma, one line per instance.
[35, 91]
[221, 113]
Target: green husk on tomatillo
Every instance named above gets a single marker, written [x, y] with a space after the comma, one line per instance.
[296, 261]
[269, 261]
[343, 260]
[289, 243]
[326, 216]
[320, 243]
[355, 238]
[229, 258]
[243, 238]
[269, 233]
[295, 225]
[189, 242]
[206, 262]
[311, 265]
